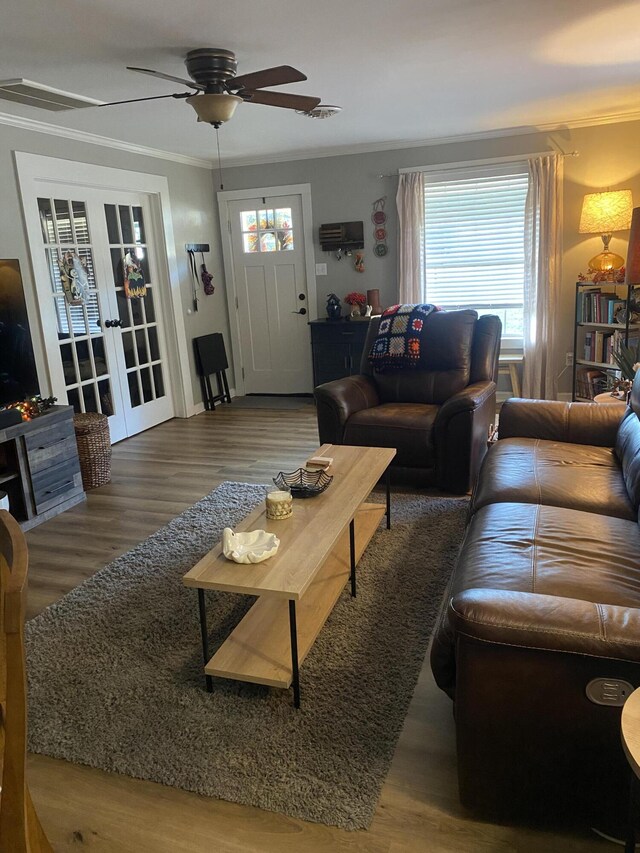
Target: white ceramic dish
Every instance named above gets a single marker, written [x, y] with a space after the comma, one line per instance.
[252, 547]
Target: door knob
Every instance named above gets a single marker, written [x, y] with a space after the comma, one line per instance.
[301, 311]
[302, 296]
[112, 323]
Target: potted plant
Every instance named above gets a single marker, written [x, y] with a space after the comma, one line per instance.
[628, 361]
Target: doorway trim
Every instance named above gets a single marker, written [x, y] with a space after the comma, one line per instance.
[32, 168]
[224, 198]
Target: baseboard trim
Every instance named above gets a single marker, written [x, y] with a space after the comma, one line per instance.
[198, 408]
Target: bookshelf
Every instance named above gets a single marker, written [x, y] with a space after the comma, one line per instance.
[602, 320]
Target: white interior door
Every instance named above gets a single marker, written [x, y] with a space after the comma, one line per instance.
[272, 299]
[141, 350]
[108, 353]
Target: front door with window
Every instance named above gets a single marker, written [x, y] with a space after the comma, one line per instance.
[268, 256]
[106, 351]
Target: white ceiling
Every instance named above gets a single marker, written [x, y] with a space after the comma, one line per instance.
[403, 72]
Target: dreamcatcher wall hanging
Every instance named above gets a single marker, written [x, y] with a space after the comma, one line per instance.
[75, 282]
[135, 286]
[379, 219]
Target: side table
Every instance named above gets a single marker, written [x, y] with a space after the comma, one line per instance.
[630, 726]
[607, 398]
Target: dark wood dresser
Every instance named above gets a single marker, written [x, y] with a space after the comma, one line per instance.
[39, 467]
[337, 348]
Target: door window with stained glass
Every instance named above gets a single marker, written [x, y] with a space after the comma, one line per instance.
[268, 230]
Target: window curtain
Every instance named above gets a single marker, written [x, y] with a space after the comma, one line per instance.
[410, 203]
[542, 276]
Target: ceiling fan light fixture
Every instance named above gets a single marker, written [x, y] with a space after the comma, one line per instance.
[215, 108]
[321, 111]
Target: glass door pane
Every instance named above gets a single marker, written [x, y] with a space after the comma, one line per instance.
[66, 233]
[145, 380]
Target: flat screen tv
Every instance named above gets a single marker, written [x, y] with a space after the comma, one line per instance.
[18, 375]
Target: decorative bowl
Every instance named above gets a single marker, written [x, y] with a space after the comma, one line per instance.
[252, 547]
[303, 483]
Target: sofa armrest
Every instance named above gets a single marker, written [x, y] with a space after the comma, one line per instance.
[577, 423]
[547, 622]
[530, 743]
[336, 401]
[461, 429]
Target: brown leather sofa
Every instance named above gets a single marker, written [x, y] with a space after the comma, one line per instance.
[545, 599]
[436, 416]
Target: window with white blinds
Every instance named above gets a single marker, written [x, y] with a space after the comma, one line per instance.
[473, 241]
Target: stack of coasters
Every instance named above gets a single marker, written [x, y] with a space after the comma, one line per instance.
[318, 463]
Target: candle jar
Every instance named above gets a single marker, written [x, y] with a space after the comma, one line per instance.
[279, 503]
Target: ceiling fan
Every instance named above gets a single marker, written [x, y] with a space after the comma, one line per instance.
[218, 90]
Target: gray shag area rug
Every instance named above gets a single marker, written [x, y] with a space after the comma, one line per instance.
[116, 680]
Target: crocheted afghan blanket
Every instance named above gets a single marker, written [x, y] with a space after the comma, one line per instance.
[399, 340]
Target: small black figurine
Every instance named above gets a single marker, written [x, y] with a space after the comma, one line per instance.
[334, 308]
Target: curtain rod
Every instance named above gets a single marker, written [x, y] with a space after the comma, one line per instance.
[511, 158]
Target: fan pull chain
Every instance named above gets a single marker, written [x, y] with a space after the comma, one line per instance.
[219, 160]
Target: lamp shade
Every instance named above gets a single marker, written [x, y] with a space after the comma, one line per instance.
[603, 213]
[215, 108]
[632, 272]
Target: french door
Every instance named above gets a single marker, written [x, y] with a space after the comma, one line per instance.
[106, 352]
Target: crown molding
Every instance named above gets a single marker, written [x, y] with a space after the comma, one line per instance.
[38, 126]
[373, 147]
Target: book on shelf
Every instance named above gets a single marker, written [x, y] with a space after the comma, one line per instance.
[590, 382]
[593, 305]
[600, 346]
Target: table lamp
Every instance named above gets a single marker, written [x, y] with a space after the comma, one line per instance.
[603, 213]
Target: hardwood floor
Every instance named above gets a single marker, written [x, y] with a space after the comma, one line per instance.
[155, 476]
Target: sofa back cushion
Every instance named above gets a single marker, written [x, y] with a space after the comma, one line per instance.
[445, 361]
[628, 448]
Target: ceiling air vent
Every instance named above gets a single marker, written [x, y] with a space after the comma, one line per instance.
[37, 95]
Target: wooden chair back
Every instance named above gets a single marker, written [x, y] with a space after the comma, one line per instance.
[20, 830]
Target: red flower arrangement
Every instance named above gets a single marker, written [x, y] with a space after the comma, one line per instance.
[355, 298]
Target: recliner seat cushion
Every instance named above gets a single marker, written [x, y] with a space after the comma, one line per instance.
[577, 476]
[550, 550]
[406, 426]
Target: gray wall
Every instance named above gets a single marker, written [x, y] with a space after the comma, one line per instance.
[343, 188]
[192, 204]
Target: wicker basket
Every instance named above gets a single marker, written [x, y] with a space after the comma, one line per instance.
[94, 448]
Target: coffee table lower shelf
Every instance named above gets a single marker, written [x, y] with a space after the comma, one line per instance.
[259, 649]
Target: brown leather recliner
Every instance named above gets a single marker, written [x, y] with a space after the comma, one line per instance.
[437, 416]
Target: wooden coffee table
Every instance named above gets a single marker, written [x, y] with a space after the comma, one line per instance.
[320, 546]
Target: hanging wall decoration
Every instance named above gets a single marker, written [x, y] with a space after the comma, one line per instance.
[134, 283]
[73, 274]
[379, 219]
[359, 262]
[207, 278]
[204, 278]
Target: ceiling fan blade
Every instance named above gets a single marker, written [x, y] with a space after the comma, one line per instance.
[305, 103]
[164, 76]
[136, 100]
[277, 76]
